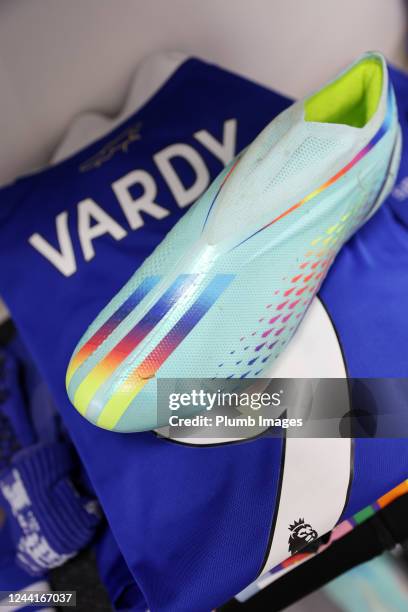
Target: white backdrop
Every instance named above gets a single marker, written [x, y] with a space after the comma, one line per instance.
[60, 57]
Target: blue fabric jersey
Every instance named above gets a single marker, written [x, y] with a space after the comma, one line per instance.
[192, 523]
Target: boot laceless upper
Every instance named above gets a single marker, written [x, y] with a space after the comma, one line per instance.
[224, 293]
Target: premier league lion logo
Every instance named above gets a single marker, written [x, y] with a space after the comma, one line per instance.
[302, 534]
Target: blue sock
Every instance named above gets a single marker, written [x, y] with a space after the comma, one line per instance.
[50, 520]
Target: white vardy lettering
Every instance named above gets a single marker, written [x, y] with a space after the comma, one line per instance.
[94, 221]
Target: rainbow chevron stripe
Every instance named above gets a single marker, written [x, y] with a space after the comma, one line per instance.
[184, 326]
[126, 390]
[140, 376]
[105, 368]
[110, 325]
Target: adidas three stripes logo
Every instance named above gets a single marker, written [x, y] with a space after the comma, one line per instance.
[86, 388]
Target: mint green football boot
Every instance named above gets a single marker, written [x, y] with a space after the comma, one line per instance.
[224, 293]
